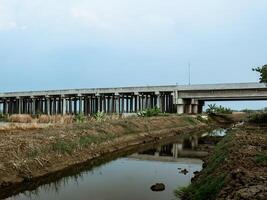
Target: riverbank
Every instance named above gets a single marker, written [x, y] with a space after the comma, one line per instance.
[34, 154]
[237, 168]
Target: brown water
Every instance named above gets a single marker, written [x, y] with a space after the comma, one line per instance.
[129, 177]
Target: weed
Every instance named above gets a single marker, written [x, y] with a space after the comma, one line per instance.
[64, 147]
[258, 118]
[67, 147]
[261, 158]
[80, 118]
[99, 116]
[150, 112]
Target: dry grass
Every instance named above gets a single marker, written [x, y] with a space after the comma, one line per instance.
[22, 126]
[18, 118]
[56, 119]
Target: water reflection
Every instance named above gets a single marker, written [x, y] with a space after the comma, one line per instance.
[130, 177]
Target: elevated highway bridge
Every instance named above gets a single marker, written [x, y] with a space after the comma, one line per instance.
[171, 98]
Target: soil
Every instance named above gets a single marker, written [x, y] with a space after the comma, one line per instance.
[241, 159]
[247, 175]
[29, 156]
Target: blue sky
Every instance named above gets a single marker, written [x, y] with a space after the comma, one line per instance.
[48, 44]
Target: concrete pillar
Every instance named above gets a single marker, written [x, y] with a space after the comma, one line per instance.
[48, 109]
[33, 111]
[85, 105]
[18, 105]
[5, 107]
[63, 106]
[80, 104]
[122, 104]
[158, 99]
[194, 103]
[180, 106]
[137, 98]
[75, 105]
[98, 103]
[119, 104]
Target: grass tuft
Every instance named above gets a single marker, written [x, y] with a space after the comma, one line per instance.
[261, 158]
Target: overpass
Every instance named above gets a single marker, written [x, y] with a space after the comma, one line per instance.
[172, 98]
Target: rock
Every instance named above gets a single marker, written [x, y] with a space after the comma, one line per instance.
[158, 187]
[196, 172]
[184, 171]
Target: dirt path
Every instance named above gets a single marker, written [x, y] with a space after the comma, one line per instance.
[32, 155]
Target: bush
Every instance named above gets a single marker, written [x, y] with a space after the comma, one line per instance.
[99, 116]
[258, 118]
[3, 117]
[213, 109]
[150, 112]
[79, 118]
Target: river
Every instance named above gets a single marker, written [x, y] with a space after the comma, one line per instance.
[130, 177]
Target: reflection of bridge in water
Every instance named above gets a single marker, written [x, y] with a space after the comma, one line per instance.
[185, 148]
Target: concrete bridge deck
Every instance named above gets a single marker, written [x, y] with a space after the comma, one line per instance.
[170, 98]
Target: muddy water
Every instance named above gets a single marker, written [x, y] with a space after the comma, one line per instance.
[130, 177]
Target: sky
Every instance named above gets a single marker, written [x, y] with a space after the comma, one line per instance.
[48, 44]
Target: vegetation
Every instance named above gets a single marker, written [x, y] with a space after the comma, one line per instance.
[213, 109]
[150, 112]
[80, 118]
[258, 118]
[248, 111]
[99, 116]
[67, 147]
[263, 73]
[3, 117]
[261, 158]
[209, 185]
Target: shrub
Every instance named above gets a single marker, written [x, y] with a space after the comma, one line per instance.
[79, 118]
[213, 109]
[99, 116]
[150, 112]
[258, 118]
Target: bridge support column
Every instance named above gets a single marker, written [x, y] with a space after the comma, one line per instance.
[80, 104]
[5, 107]
[194, 103]
[180, 106]
[33, 111]
[48, 109]
[158, 100]
[63, 106]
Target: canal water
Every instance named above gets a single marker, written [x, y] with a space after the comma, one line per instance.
[130, 177]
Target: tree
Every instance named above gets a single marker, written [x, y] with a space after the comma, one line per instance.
[263, 73]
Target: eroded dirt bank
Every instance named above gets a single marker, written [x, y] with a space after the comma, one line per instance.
[32, 155]
[236, 170]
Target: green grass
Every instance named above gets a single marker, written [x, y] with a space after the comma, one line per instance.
[261, 158]
[68, 146]
[209, 184]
